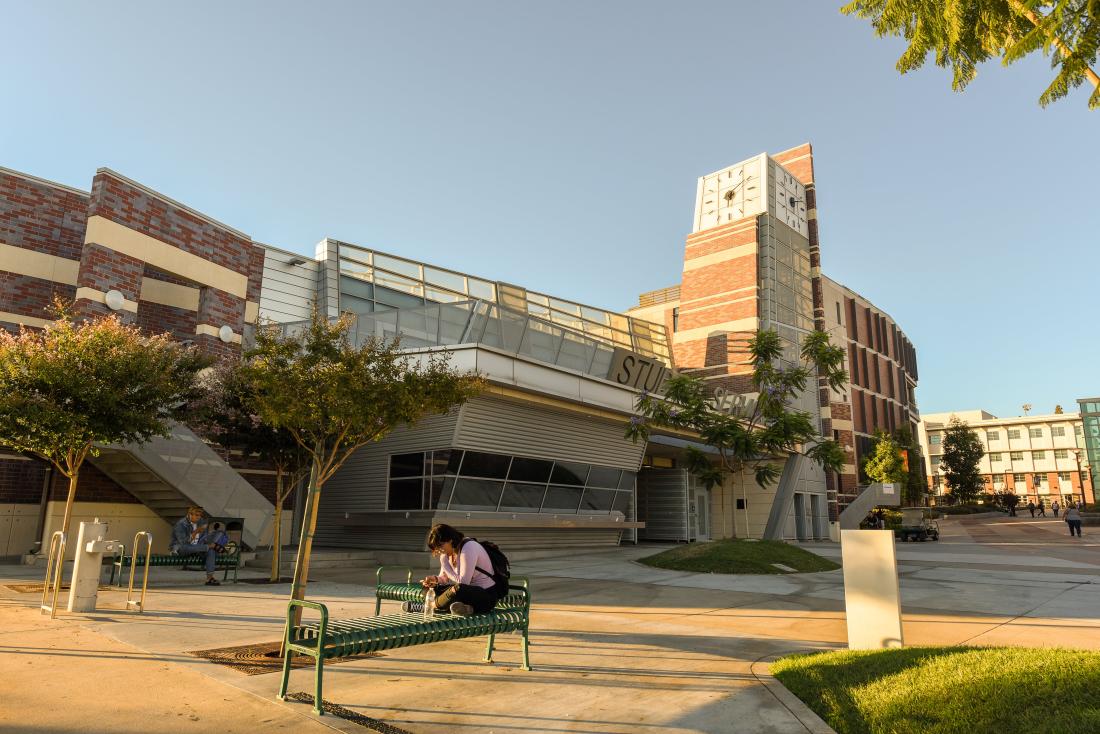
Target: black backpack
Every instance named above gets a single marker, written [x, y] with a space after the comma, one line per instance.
[501, 570]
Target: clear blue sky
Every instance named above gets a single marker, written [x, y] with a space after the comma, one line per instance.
[557, 145]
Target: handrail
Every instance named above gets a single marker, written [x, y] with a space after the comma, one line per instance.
[56, 564]
[140, 604]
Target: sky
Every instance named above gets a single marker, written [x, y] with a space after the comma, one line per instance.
[558, 145]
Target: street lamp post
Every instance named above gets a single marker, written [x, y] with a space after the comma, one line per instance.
[1080, 476]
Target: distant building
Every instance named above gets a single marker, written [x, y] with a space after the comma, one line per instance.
[1037, 457]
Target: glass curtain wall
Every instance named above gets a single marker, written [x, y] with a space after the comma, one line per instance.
[453, 479]
[371, 281]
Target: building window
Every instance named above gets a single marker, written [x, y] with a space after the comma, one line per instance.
[1035, 432]
[476, 481]
[1063, 476]
[675, 319]
[1013, 433]
[1036, 455]
[838, 319]
[1016, 456]
[1061, 454]
[1018, 478]
[1058, 431]
[935, 439]
[995, 457]
[992, 436]
[1077, 430]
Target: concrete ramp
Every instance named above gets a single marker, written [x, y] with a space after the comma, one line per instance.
[170, 474]
[874, 495]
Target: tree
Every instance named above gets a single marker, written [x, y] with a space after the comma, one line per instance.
[963, 33]
[916, 485]
[962, 450]
[227, 415]
[69, 388]
[1007, 500]
[886, 464]
[333, 397]
[771, 431]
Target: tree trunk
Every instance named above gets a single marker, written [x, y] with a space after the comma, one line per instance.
[305, 544]
[276, 535]
[69, 503]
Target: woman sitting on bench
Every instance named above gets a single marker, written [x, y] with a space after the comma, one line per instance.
[465, 583]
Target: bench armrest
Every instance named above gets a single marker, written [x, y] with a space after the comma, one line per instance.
[408, 575]
[321, 631]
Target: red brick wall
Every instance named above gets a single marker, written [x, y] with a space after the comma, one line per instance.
[21, 483]
[157, 318]
[28, 296]
[41, 217]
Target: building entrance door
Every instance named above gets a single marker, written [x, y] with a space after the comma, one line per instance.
[700, 511]
[800, 516]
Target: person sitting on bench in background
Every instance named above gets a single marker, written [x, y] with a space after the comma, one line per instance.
[465, 583]
[189, 537]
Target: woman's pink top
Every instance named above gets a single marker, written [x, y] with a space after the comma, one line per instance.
[470, 558]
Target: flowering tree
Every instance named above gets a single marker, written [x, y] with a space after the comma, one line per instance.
[71, 387]
[333, 397]
[772, 429]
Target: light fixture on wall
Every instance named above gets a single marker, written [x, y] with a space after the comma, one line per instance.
[296, 261]
[114, 300]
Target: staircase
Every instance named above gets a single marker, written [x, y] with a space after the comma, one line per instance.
[170, 474]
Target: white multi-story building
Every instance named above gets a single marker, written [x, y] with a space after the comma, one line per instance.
[1040, 457]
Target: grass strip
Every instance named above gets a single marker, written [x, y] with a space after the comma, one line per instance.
[949, 690]
[738, 556]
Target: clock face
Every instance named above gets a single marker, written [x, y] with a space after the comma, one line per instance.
[730, 194]
[787, 198]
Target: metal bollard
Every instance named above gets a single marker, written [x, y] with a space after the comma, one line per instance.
[55, 563]
[140, 604]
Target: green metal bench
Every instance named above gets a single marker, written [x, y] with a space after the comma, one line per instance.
[230, 560]
[409, 590]
[328, 638]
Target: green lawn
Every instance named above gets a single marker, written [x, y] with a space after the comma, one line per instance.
[738, 556]
[937, 690]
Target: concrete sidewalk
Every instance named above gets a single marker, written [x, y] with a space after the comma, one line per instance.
[616, 646]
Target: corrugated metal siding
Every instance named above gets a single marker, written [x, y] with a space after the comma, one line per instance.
[663, 504]
[360, 484]
[288, 291]
[524, 429]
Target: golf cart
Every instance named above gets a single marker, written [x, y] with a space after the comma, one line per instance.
[917, 523]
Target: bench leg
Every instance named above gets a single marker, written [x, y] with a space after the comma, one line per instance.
[377, 604]
[286, 675]
[526, 658]
[489, 649]
[317, 687]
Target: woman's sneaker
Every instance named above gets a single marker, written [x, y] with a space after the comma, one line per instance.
[461, 610]
[413, 607]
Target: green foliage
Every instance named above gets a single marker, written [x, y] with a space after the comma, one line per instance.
[72, 386]
[739, 556]
[916, 483]
[1007, 500]
[962, 451]
[227, 414]
[885, 464]
[961, 34]
[333, 397]
[941, 690]
[761, 441]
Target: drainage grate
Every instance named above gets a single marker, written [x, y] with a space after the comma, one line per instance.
[263, 657]
[349, 715]
[37, 588]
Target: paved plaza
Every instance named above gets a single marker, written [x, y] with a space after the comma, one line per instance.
[616, 646]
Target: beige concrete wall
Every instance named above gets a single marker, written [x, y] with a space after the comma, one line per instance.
[17, 525]
[123, 520]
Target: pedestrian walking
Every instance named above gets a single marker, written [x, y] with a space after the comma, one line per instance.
[1073, 519]
[1042, 510]
[1031, 507]
[1054, 506]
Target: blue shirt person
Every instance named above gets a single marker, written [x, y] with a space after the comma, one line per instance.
[189, 537]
